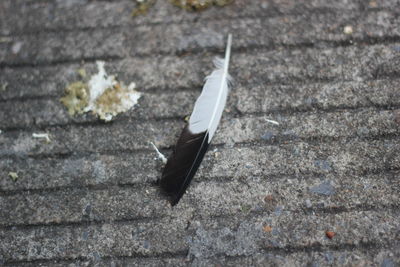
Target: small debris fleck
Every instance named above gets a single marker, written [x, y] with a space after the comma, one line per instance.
[16, 47]
[267, 229]
[44, 136]
[159, 154]
[13, 176]
[330, 234]
[272, 121]
[4, 86]
[348, 30]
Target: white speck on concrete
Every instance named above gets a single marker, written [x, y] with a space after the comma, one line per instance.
[348, 30]
[42, 136]
[159, 154]
[16, 47]
[272, 121]
[98, 84]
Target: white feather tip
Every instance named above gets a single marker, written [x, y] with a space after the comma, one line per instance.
[209, 106]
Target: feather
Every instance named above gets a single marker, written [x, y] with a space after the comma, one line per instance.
[196, 136]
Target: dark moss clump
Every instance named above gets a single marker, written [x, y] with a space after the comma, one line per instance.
[142, 7]
[197, 5]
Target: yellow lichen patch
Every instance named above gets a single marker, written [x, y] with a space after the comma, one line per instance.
[267, 228]
[13, 175]
[115, 100]
[76, 98]
[195, 5]
[3, 86]
[142, 7]
[102, 94]
[110, 99]
[82, 73]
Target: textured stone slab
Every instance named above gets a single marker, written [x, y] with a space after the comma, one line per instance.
[52, 16]
[265, 194]
[251, 69]
[54, 48]
[298, 158]
[94, 241]
[259, 194]
[228, 237]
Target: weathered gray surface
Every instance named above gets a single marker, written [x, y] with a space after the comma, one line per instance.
[88, 197]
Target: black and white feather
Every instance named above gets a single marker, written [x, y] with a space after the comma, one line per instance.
[196, 136]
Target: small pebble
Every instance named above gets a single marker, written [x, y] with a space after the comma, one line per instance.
[13, 175]
[16, 47]
[4, 86]
[348, 30]
[330, 234]
[267, 229]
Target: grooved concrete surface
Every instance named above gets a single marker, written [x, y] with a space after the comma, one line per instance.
[265, 194]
